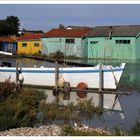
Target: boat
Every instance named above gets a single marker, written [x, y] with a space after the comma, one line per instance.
[45, 76]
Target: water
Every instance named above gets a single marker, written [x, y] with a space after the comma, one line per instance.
[130, 81]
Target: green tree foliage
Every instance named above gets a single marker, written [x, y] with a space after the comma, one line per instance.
[9, 26]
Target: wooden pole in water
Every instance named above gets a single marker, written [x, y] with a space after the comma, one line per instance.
[56, 80]
[56, 75]
[17, 75]
[101, 84]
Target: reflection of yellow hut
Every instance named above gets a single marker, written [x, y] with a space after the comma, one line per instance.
[29, 44]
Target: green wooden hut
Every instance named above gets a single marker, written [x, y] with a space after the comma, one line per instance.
[113, 42]
[68, 41]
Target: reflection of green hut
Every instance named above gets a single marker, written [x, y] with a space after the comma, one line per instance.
[113, 42]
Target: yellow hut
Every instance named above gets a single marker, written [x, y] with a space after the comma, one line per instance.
[29, 44]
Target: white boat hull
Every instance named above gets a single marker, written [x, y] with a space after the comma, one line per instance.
[46, 76]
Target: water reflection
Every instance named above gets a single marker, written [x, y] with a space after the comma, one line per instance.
[130, 81]
[108, 120]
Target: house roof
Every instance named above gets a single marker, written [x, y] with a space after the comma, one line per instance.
[66, 33]
[35, 36]
[7, 39]
[124, 30]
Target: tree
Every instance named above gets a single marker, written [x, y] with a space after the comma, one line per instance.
[12, 24]
[9, 26]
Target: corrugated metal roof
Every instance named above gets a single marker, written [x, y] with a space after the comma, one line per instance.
[7, 39]
[124, 30]
[66, 33]
[35, 36]
[79, 27]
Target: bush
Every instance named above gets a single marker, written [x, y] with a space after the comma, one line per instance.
[19, 110]
[7, 88]
[87, 108]
[56, 55]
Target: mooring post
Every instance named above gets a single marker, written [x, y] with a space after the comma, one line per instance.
[56, 75]
[56, 80]
[17, 75]
[101, 84]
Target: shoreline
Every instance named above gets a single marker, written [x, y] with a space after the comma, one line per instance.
[49, 130]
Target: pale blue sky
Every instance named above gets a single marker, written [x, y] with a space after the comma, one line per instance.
[47, 16]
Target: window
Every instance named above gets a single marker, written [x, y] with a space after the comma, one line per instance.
[24, 44]
[122, 41]
[93, 42]
[69, 41]
[36, 44]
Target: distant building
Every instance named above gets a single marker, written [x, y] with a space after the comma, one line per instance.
[113, 42]
[29, 44]
[78, 27]
[23, 32]
[8, 44]
[66, 40]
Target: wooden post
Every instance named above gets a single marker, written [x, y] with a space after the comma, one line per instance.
[56, 81]
[56, 75]
[101, 84]
[17, 75]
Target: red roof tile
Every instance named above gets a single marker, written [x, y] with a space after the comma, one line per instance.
[30, 36]
[7, 39]
[66, 33]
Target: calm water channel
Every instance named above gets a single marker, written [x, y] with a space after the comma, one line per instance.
[130, 81]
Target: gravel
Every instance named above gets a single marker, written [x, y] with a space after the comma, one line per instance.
[50, 130]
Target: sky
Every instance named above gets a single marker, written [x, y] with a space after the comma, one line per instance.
[47, 16]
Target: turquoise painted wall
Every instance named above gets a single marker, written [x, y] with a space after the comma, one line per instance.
[51, 45]
[138, 47]
[106, 48]
[85, 47]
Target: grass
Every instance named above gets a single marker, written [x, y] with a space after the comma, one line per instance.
[70, 113]
[136, 129]
[68, 130]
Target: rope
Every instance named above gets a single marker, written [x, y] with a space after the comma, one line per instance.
[115, 101]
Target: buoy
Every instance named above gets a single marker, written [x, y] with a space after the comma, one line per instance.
[81, 86]
[20, 79]
[61, 81]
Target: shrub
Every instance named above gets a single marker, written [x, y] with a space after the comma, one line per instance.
[87, 108]
[19, 110]
[7, 88]
[56, 55]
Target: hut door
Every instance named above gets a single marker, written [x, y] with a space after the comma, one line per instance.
[107, 48]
